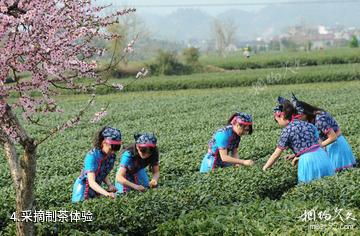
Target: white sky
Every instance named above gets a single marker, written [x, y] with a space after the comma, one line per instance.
[213, 10]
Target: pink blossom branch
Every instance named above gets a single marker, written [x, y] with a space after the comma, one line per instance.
[51, 40]
[100, 115]
[69, 123]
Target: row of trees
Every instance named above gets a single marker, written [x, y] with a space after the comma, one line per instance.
[223, 34]
[223, 39]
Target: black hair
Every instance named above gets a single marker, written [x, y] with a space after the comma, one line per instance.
[99, 138]
[152, 160]
[289, 110]
[309, 110]
[232, 117]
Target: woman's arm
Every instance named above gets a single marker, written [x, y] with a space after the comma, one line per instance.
[120, 177]
[235, 153]
[226, 158]
[109, 184]
[244, 162]
[96, 187]
[331, 138]
[156, 175]
[273, 158]
[156, 172]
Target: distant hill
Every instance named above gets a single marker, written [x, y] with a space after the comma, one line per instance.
[182, 24]
[185, 24]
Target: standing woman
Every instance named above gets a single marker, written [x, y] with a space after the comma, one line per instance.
[131, 173]
[98, 163]
[303, 139]
[223, 147]
[337, 147]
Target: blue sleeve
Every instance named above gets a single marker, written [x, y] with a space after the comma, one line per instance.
[323, 123]
[90, 164]
[284, 140]
[125, 159]
[221, 140]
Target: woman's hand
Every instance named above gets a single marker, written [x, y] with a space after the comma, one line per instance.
[112, 188]
[111, 195]
[140, 188]
[295, 161]
[153, 183]
[248, 162]
[290, 157]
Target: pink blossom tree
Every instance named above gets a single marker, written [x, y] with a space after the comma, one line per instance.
[51, 42]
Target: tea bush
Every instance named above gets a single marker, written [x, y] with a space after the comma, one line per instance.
[184, 121]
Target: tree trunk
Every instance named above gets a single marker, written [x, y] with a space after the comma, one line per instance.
[22, 171]
[25, 193]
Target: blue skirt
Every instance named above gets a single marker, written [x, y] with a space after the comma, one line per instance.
[209, 163]
[340, 153]
[78, 193]
[140, 178]
[314, 165]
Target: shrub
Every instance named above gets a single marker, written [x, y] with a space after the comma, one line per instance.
[191, 56]
[354, 43]
[166, 63]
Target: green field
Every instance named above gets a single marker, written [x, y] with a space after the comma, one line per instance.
[258, 79]
[229, 201]
[236, 61]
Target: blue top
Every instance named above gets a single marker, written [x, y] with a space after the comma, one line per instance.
[224, 138]
[100, 164]
[299, 136]
[324, 122]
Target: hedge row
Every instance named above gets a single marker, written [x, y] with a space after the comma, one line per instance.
[258, 79]
[294, 59]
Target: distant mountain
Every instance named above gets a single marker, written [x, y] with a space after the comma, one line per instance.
[181, 25]
[281, 16]
[185, 24]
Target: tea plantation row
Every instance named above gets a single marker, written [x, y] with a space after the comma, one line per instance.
[258, 79]
[275, 60]
[184, 121]
[283, 217]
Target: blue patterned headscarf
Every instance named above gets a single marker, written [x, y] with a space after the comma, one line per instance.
[296, 104]
[280, 106]
[145, 140]
[112, 135]
[242, 118]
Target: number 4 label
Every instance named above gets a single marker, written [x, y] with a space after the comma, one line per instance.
[13, 217]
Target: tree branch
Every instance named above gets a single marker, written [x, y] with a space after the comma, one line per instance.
[9, 121]
[77, 118]
[14, 10]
